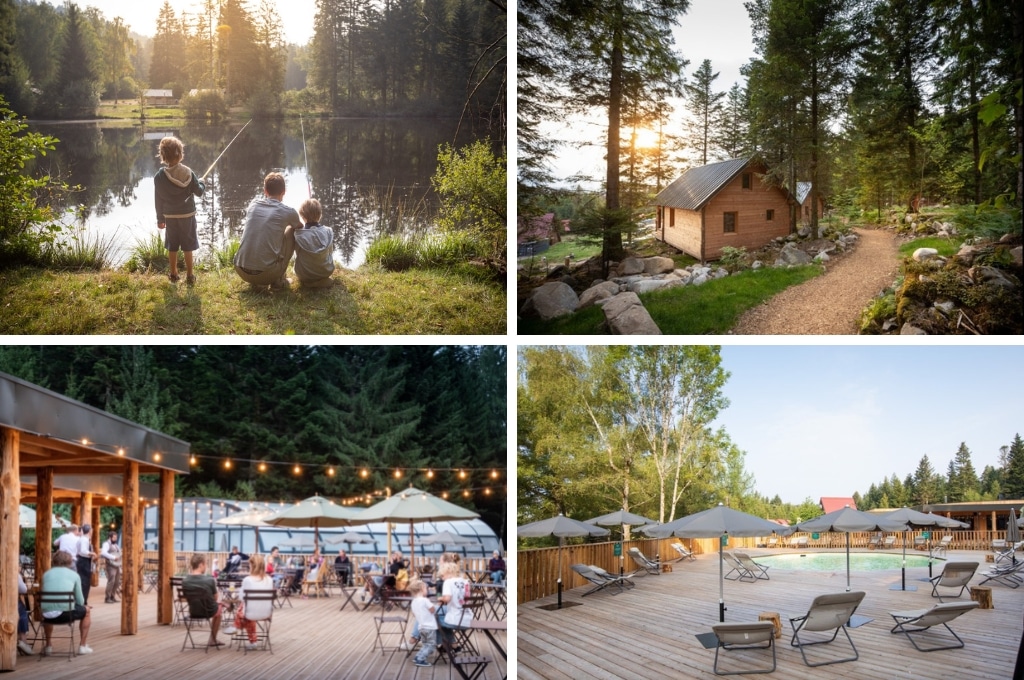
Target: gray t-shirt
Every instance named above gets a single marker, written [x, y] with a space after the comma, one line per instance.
[263, 234]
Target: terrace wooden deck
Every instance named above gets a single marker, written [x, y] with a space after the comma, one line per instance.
[312, 639]
[649, 631]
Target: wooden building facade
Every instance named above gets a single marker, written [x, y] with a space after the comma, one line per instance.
[803, 199]
[721, 204]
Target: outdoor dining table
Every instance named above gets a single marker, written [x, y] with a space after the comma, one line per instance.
[495, 597]
[348, 591]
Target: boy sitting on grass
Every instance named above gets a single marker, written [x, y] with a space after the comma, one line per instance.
[314, 254]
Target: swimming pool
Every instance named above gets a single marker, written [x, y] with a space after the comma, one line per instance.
[837, 560]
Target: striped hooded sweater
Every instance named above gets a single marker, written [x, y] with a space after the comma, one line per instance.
[175, 188]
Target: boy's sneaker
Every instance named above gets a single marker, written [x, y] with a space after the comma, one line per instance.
[250, 646]
[422, 663]
[47, 650]
[25, 648]
[229, 630]
[85, 649]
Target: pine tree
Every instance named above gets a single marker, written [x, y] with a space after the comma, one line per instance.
[1013, 485]
[76, 84]
[705, 108]
[732, 138]
[962, 479]
[926, 483]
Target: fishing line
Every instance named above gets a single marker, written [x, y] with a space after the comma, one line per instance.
[305, 158]
[225, 150]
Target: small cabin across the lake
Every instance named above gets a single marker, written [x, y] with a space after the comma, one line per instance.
[721, 204]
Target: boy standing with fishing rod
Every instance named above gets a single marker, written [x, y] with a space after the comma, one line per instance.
[176, 187]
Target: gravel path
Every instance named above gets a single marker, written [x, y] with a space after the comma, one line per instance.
[829, 304]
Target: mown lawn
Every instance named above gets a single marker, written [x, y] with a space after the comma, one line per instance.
[712, 308]
[363, 302]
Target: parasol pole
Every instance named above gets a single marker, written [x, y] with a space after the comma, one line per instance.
[721, 583]
[847, 561]
[559, 572]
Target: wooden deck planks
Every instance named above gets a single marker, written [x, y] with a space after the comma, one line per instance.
[311, 640]
[650, 630]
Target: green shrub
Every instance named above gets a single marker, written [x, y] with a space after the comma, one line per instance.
[205, 104]
[877, 312]
[471, 184]
[393, 253]
[988, 220]
[733, 259]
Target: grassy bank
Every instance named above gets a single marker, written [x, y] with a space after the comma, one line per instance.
[367, 301]
[713, 307]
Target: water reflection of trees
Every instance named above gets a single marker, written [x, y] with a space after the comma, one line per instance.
[371, 175]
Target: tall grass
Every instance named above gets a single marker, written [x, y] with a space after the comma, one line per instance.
[443, 250]
[221, 258]
[80, 251]
[149, 255]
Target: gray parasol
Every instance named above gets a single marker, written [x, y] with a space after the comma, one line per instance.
[562, 527]
[849, 519]
[621, 518]
[919, 519]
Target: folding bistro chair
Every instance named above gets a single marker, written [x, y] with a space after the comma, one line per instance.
[468, 666]
[754, 635]
[827, 612]
[180, 603]
[66, 601]
[259, 608]
[196, 620]
[389, 626]
[940, 614]
[648, 566]
[954, 575]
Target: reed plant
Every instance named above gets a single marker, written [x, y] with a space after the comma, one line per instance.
[394, 253]
[221, 258]
[149, 255]
[80, 251]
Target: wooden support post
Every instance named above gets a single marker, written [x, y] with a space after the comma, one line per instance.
[85, 503]
[10, 500]
[165, 605]
[44, 521]
[97, 536]
[130, 562]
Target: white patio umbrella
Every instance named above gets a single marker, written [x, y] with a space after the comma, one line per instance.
[27, 519]
[414, 505]
[620, 518]
[922, 519]
[848, 519]
[253, 517]
[715, 523]
[562, 527]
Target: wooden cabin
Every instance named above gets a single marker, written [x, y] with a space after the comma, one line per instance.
[721, 204]
[159, 97]
[803, 199]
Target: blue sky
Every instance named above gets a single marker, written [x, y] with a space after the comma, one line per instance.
[830, 420]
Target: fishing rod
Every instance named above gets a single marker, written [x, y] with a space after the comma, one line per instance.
[305, 158]
[225, 150]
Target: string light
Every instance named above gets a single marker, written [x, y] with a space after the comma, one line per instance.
[462, 474]
[156, 456]
[227, 463]
[192, 460]
[262, 467]
[297, 470]
[120, 451]
[364, 473]
[330, 472]
[430, 474]
[398, 473]
[494, 474]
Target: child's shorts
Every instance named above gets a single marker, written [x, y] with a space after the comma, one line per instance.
[181, 234]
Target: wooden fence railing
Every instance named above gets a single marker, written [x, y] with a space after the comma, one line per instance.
[537, 570]
[474, 564]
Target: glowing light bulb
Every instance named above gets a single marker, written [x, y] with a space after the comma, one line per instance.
[193, 461]
[462, 474]
[297, 470]
[430, 474]
[227, 463]
[364, 473]
[262, 467]
[398, 474]
[330, 472]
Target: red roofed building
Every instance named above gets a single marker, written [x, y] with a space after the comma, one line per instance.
[830, 503]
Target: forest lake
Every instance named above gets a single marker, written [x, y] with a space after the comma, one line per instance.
[370, 175]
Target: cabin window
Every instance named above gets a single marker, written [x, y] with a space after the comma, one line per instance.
[769, 215]
[729, 222]
[746, 180]
[671, 217]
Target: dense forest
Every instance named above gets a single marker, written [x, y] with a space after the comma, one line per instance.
[412, 57]
[394, 412]
[960, 482]
[878, 103]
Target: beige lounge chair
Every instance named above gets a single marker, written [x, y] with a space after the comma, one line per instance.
[889, 542]
[942, 546]
[646, 564]
[954, 575]
[759, 571]
[683, 552]
[798, 542]
[753, 635]
[827, 612]
[875, 542]
[940, 614]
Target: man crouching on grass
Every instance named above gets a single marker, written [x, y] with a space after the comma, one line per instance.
[267, 239]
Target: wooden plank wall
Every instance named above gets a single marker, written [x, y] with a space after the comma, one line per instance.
[685, 233]
[752, 229]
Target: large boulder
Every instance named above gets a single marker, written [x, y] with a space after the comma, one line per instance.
[1018, 257]
[966, 254]
[910, 329]
[552, 300]
[790, 254]
[600, 291]
[991, 276]
[925, 254]
[626, 315]
[658, 265]
[647, 285]
[630, 266]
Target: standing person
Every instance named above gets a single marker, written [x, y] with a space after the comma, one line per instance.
[455, 591]
[175, 189]
[268, 241]
[426, 624]
[68, 541]
[85, 559]
[314, 255]
[246, 616]
[111, 552]
[61, 578]
[203, 596]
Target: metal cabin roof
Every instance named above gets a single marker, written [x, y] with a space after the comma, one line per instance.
[803, 189]
[696, 186]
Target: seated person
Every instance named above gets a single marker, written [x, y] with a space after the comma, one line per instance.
[343, 568]
[62, 578]
[497, 568]
[453, 597]
[203, 597]
[234, 562]
[23, 646]
[246, 616]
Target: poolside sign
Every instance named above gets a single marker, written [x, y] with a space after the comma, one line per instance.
[725, 540]
[618, 549]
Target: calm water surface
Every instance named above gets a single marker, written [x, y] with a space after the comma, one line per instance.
[370, 175]
[837, 561]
